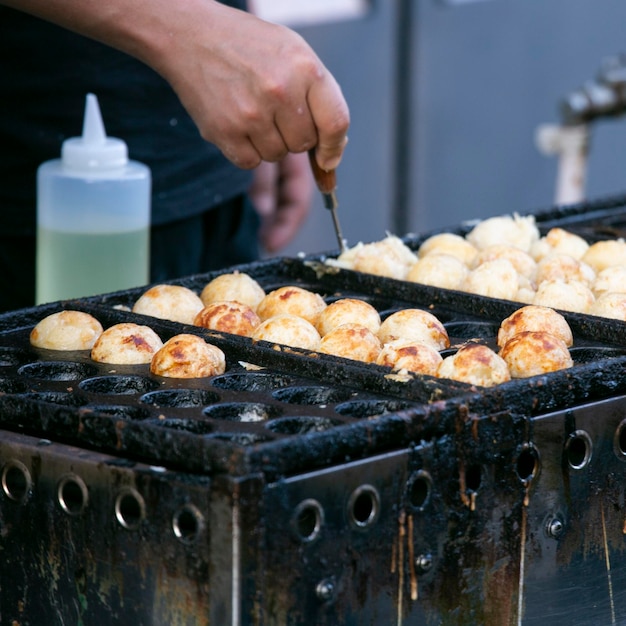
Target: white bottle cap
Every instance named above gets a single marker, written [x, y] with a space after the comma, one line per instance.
[94, 150]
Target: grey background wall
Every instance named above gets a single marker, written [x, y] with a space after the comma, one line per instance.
[477, 79]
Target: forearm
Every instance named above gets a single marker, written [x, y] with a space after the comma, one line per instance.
[145, 29]
[255, 89]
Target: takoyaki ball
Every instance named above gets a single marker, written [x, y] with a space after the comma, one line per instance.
[228, 317]
[438, 270]
[289, 330]
[234, 286]
[351, 341]
[511, 230]
[169, 302]
[410, 355]
[66, 330]
[188, 356]
[449, 243]
[389, 257]
[525, 295]
[414, 325]
[126, 344]
[348, 311]
[292, 300]
[567, 296]
[495, 279]
[610, 279]
[531, 353]
[475, 364]
[523, 263]
[603, 254]
[536, 318]
[564, 267]
[525, 291]
[611, 305]
[559, 241]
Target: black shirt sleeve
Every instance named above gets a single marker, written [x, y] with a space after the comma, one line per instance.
[45, 74]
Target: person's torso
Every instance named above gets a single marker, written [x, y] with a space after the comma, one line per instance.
[46, 73]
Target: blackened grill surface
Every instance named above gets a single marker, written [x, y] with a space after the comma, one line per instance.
[285, 410]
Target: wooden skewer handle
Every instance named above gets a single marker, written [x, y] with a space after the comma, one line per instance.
[326, 181]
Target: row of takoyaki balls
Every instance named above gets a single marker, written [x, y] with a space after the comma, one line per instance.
[505, 257]
[182, 356]
[532, 341]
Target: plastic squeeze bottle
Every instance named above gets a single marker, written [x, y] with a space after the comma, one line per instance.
[93, 216]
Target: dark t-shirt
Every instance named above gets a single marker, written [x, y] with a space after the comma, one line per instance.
[45, 74]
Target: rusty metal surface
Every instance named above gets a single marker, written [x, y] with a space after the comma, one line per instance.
[507, 520]
[93, 539]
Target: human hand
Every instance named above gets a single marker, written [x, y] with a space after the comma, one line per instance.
[256, 89]
[281, 193]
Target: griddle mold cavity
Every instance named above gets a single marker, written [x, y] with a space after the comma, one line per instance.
[312, 395]
[180, 398]
[301, 425]
[57, 370]
[252, 381]
[118, 385]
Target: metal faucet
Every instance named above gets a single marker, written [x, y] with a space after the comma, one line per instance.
[603, 97]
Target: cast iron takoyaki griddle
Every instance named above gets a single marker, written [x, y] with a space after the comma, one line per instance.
[278, 409]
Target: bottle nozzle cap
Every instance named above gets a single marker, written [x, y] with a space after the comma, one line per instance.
[94, 150]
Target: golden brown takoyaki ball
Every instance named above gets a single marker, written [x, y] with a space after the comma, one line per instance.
[531, 353]
[228, 317]
[449, 243]
[475, 364]
[495, 279]
[66, 330]
[559, 241]
[414, 356]
[351, 341]
[523, 263]
[538, 318]
[348, 311]
[126, 343]
[567, 296]
[526, 291]
[188, 356]
[611, 305]
[289, 330]
[603, 254]
[564, 267]
[233, 286]
[438, 270]
[169, 302]
[389, 257]
[610, 279]
[512, 230]
[414, 325]
[292, 300]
